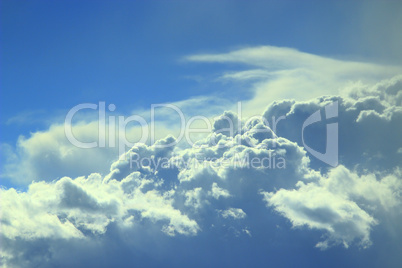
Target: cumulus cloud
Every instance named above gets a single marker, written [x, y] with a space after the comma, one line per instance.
[217, 192]
[242, 183]
[337, 204]
[369, 127]
[225, 178]
[277, 74]
[50, 154]
[235, 213]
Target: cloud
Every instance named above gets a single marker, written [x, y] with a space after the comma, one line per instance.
[49, 154]
[223, 184]
[232, 195]
[217, 192]
[369, 124]
[336, 204]
[277, 73]
[281, 58]
[285, 73]
[235, 213]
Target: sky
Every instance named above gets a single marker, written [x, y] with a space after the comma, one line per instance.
[313, 88]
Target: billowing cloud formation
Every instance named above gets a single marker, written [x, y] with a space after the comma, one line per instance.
[47, 155]
[370, 124]
[276, 74]
[332, 204]
[229, 185]
[247, 191]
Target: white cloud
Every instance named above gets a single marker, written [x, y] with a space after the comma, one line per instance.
[144, 204]
[341, 204]
[277, 74]
[49, 154]
[235, 213]
[218, 192]
[285, 73]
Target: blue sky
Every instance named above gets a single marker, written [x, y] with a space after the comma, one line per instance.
[66, 206]
[55, 55]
